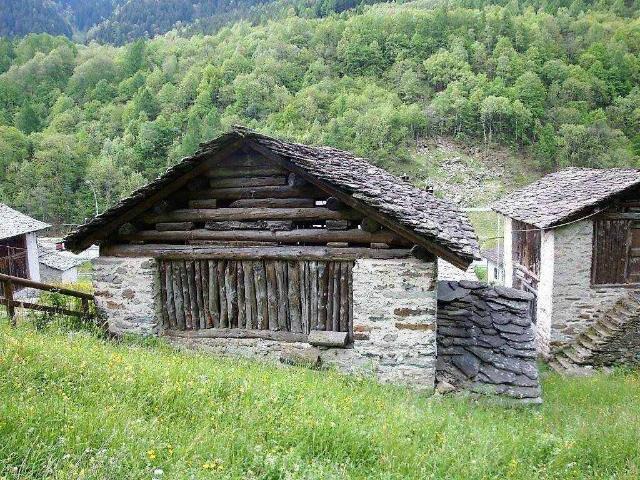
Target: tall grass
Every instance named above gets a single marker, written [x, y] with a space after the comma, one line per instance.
[75, 406]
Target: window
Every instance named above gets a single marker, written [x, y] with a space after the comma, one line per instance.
[616, 250]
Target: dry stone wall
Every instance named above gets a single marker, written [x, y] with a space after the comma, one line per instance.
[486, 341]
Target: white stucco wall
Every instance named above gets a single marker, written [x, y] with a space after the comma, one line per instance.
[544, 312]
[32, 257]
[508, 252]
[52, 275]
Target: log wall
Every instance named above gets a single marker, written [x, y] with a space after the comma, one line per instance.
[278, 295]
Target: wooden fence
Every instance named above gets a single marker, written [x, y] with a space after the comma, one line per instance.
[9, 283]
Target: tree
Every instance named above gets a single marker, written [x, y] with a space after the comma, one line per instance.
[444, 67]
[27, 119]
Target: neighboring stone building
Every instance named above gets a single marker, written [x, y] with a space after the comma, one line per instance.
[58, 266]
[270, 249]
[492, 260]
[573, 239]
[18, 244]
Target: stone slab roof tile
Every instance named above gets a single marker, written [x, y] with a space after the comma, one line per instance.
[13, 223]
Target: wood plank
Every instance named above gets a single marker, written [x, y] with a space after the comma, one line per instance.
[273, 203]
[206, 214]
[214, 305]
[269, 225]
[328, 324]
[251, 308]
[283, 294]
[188, 311]
[242, 313]
[208, 203]
[247, 182]
[174, 226]
[193, 295]
[231, 288]
[272, 294]
[308, 235]
[178, 298]
[168, 298]
[260, 283]
[204, 272]
[250, 253]
[305, 308]
[265, 171]
[293, 283]
[322, 297]
[335, 301]
[199, 294]
[239, 333]
[285, 191]
[222, 294]
[344, 297]
[350, 293]
[328, 339]
[24, 282]
[313, 291]
[40, 308]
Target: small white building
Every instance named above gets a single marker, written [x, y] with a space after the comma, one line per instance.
[18, 244]
[58, 266]
[573, 239]
[492, 259]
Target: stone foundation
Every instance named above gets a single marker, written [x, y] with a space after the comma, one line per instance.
[486, 340]
[394, 319]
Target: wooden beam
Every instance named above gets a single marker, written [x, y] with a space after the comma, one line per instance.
[44, 286]
[273, 203]
[222, 214]
[244, 182]
[285, 191]
[317, 235]
[208, 203]
[365, 209]
[278, 336]
[182, 252]
[245, 172]
[174, 226]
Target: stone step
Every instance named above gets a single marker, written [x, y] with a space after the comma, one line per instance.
[563, 360]
[616, 318]
[611, 323]
[555, 366]
[603, 330]
[576, 357]
[594, 337]
[586, 342]
[582, 350]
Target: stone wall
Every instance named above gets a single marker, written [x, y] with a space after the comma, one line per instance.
[394, 317]
[126, 290]
[576, 304]
[486, 341]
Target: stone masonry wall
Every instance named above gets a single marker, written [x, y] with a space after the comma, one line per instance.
[576, 304]
[394, 310]
[486, 340]
[126, 290]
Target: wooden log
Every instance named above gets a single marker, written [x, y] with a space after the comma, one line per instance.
[222, 294]
[164, 309]
[220, 214]
[162, 206]
[208, 203]
[328, 324]
[239, 333]
[231, 243]
[231, 288]
[169, 300]
[193, 295]
[214, 305]
[378, 245]
[344, 296]
[127, 229]
[272, 294]
[196, 184]
[200, 294]
[242, 313]
[333, 238]
[247, 182]
[305, 308]
[285, 191]
[334, 204]
[251, 308]
[313, 291]
[322, 297]
[260, 283]
[273, 203]
[181, 252]
[335, 300]
[293, 284]
[327, 339]
[369, 225]
[269, 225]
[296, 180]
[245, 161]
[188, 311]
[283, 295]
[264, 171]
[350, 293]
[204, 272]
[174, 226]
[338, 224]
[178, 299]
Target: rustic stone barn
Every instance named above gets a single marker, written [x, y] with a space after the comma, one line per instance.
[18, 244]
[573, 239]
[261, 247]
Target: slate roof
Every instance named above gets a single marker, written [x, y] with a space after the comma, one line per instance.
[58, 260]
[564, 195]
[434, 219]
[13, 223]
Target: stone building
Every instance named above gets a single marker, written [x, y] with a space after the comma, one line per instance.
[58, 266]
[18, 244]
[573, 240]
[269, 249]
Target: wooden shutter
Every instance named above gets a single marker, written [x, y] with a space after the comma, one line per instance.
[611, 242]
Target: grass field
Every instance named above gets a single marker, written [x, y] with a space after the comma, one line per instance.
[74, 406]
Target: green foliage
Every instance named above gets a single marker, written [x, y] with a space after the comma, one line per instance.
[556, 82]
[73, 406]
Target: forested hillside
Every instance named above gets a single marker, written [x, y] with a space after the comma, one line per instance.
[560, 85]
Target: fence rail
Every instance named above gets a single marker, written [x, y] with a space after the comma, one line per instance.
[9, 282]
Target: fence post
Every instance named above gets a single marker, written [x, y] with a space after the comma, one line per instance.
[85, 308]
[11, 309]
